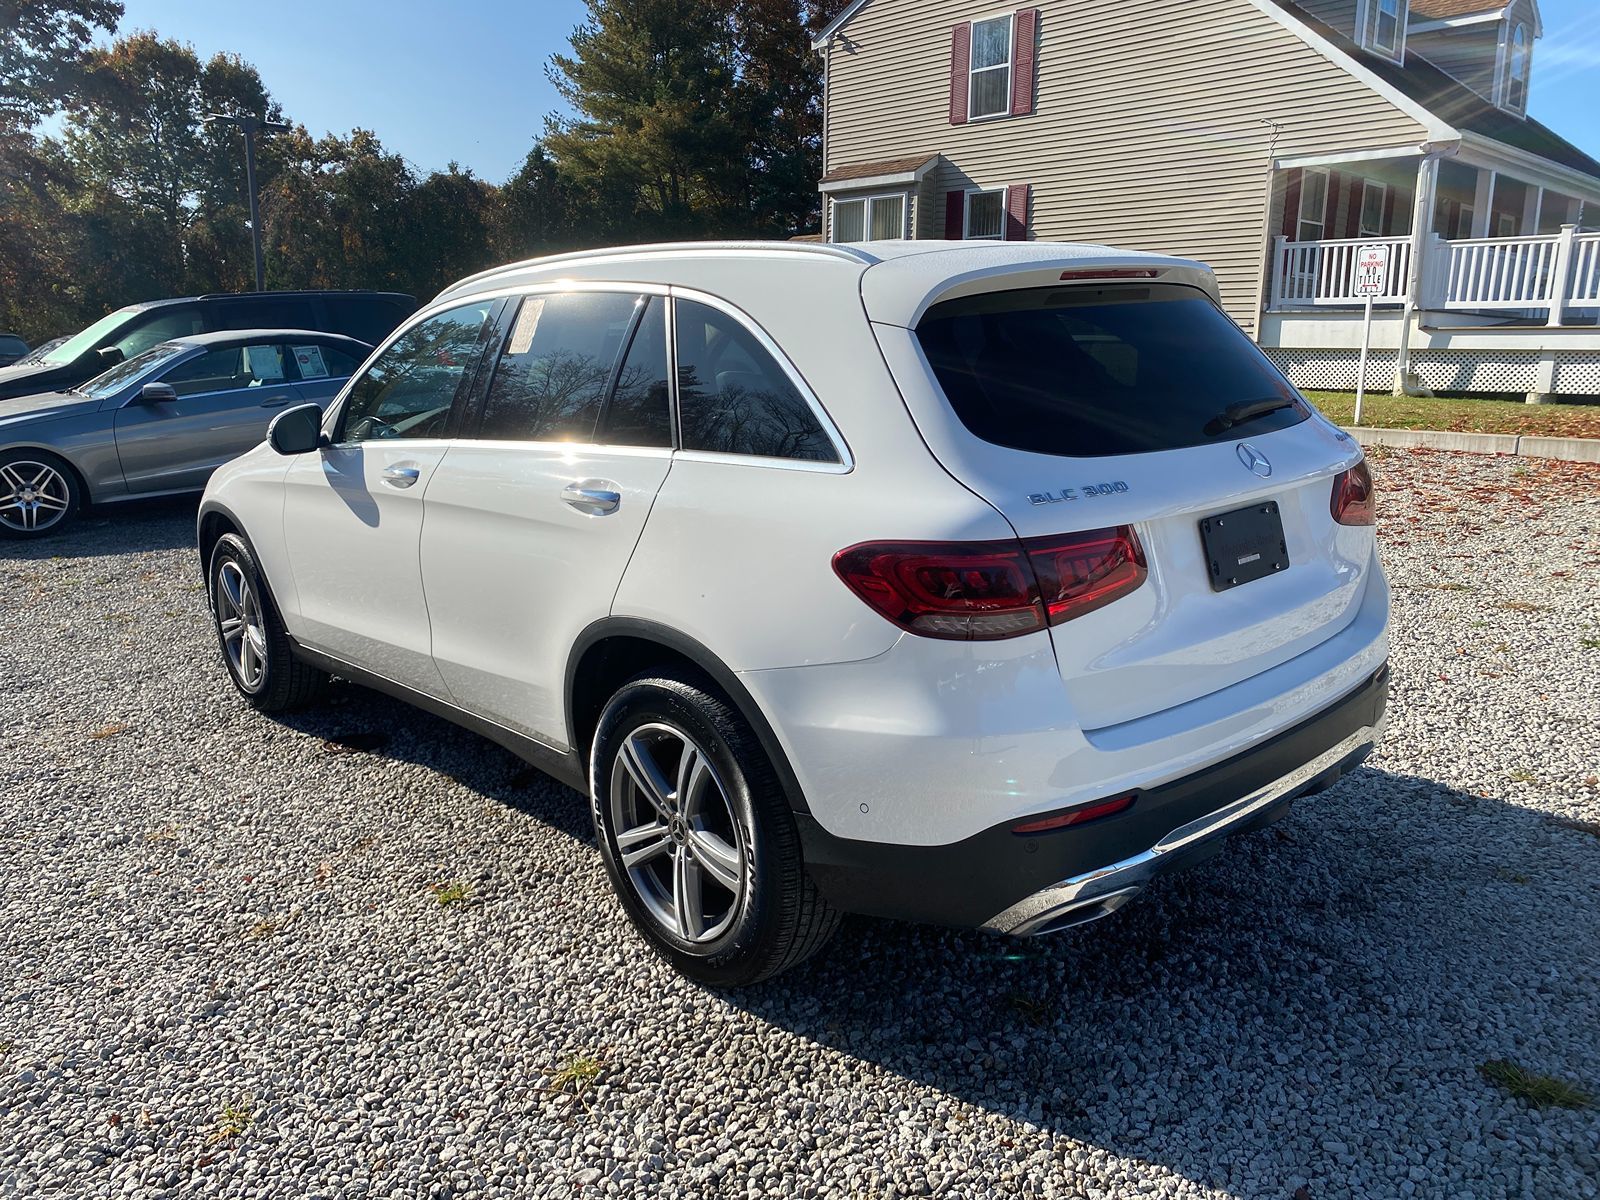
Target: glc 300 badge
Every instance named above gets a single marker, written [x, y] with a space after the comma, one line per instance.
[1065, 494]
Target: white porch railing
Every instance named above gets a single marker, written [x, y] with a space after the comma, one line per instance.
[1307, 274]
[1531, 276]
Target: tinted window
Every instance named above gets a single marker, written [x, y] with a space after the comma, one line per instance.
[12, 345]
[268, 312]
[228, 368]
[640, 411]
[557, 361]
[161, 325]
[317, 360]
[126, 372]
[734, 398]
[408, 391]
[1088, 371]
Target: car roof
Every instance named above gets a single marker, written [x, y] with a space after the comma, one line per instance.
[222, 337]
[897, 281]
[142, 305]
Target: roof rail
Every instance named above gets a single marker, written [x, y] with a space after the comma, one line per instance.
[823, 249]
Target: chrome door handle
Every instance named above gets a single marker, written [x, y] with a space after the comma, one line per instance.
[401, 477]
[589, 497]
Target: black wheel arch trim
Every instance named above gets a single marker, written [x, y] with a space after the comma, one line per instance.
[705, 660]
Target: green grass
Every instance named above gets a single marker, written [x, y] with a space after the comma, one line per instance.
[454, 892]
[233, 1121]
[1462, 416]
[1541, 1091]
[575, 1076]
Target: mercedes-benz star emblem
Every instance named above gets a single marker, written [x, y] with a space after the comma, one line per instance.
[1255, 460]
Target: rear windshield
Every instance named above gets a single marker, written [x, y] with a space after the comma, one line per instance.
[1088, 371]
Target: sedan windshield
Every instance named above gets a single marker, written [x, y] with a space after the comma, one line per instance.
[120, 376]
[87, 339]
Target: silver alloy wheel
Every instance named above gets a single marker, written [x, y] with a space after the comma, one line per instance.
[33, 496]
[239, 618]
[677, 836]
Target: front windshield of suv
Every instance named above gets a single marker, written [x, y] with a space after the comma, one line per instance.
[120, 376]
[87, 339]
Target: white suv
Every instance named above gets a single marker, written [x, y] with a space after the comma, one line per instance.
[960, 582]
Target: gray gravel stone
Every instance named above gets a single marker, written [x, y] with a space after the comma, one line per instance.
[224, 971]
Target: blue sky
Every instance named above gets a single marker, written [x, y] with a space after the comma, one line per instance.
[438, 82]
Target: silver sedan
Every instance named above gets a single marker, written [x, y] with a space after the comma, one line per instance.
[160, 422]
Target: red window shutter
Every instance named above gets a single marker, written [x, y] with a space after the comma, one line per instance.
[1291, 203]
[1352, 218]
[955, 216]
[1017, 212]
[1025, 68]
[960, 65]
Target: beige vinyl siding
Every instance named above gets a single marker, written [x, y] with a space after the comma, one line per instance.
[1148, 131]
[1467, 53]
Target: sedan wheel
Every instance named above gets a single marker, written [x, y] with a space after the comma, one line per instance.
[676, 833]
[35, 496]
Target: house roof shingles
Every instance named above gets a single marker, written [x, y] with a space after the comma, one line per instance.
[871, 170]
[1440, 9]
[1452, 101]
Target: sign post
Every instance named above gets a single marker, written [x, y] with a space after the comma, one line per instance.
[1371, 280]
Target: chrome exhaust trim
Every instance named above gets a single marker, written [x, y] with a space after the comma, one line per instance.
[1098, 893]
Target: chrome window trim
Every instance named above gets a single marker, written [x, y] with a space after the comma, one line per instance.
[846, 461]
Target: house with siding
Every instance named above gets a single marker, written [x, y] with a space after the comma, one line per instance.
[1269, 138]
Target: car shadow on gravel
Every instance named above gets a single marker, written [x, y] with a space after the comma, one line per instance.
[1329, 984]
[135, 527]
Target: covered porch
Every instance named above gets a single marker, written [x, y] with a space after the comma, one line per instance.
[1473, 242]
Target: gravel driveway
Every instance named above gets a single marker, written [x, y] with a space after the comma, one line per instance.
[362, 953]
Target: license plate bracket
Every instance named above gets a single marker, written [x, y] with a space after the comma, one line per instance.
[1244, 545]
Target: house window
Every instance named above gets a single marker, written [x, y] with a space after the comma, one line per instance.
[1517, 70]
[1374, 198]
[989, 83]
[1383, 26]
[1505, 225]
[1464, 222]
[1313, 207]
[878, 218]
[986, 215]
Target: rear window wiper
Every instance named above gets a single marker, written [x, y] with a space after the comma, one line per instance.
[1247, 410]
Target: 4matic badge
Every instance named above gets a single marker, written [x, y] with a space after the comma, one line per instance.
[1065, 494]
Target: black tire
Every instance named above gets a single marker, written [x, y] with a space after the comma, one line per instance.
[778, 918]
[36, 486]
[282, 682]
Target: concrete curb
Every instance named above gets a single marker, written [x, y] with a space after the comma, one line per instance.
[1565, 449]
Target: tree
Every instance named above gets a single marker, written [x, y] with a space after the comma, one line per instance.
[41, 54]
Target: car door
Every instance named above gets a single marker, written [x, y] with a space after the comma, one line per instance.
[225, 399]
[353, 511]
[532, 519]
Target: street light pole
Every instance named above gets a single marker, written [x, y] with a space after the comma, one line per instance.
[251, 126]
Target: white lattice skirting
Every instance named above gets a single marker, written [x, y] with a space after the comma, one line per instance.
[1510, 371]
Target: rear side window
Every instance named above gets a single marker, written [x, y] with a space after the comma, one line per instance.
[365, 318]
[267, 312]
[408, 390]
[1092, 371]
[553, 372]
[639, 412]
[734, 398]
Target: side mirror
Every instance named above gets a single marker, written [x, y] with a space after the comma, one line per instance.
[296, 430]
[157, 393]
[109, 356]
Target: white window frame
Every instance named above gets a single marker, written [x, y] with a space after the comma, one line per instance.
[966, 214]
[866, 203]
[1466, 218]
[1513, 61]
[1371, 187]
[1300, 215]
[1501, 220]
[1367, 23]
[1010, 65]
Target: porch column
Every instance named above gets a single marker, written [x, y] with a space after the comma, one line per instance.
[1425, 201]
[1532, 211]
[1482, 202]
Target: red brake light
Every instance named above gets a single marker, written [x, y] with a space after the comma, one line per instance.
[1112, 273]
[1353, 502]
[981, 591]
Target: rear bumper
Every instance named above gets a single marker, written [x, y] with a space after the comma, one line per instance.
[1018, 885]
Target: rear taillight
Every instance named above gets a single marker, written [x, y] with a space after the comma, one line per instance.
[1353, 502]
[981, 591]
[1080, 816]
